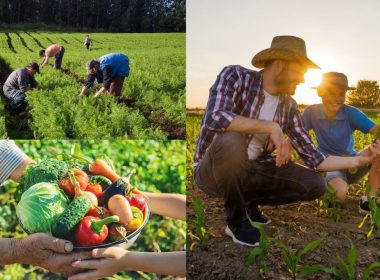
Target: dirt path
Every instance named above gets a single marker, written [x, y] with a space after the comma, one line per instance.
[296, 224]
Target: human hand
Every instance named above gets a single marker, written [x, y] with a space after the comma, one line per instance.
[48, 252]
[372, 152]
[105, 262]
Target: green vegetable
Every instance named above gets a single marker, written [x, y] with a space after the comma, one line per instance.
[40, 206]
[77, 209]
[103, 181]
[48, 170]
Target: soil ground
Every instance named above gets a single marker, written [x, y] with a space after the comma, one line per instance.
[296, 224]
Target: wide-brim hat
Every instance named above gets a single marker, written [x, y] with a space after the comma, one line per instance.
[284, 47]
[334, 79]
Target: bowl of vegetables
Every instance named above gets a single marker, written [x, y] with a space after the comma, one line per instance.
[88, 204]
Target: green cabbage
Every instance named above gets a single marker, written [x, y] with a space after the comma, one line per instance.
[40, 206]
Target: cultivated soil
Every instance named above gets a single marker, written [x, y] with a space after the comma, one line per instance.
[296, 224]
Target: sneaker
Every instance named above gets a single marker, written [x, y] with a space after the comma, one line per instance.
[260, 218]
[364, 205]
[244, 235]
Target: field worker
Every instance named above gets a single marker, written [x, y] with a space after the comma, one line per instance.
[38, 249]
[55, 50]
[111, 260]
[248, 114]
[87, 41]
[110, 69]
[334, 124]
[17, 84]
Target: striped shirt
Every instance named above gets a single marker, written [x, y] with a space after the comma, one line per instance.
[239, 91]
[10, 159]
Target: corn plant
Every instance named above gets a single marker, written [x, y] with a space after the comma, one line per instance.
[201, 234]
[373, 215]
[260, 252]
[329, 204]
[347, 269]
[293, 258]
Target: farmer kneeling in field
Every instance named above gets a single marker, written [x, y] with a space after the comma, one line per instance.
[247, 115]
[17, 84]
[55, 50]
[334, 124]
[110, 69]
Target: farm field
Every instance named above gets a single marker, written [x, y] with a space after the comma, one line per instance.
[153, 95]
[160, 167]
[213, 253]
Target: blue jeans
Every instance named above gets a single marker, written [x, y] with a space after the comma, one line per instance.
[17, 103]
[225, 171]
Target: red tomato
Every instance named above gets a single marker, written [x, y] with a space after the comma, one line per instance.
[67, 185]
[137, 200]
[96, 189]
[100, 212]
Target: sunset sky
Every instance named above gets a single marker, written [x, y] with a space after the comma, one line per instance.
[340, 36]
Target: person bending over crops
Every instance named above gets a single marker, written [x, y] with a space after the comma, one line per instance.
[17, 84]
[248, 114]
[109, 261]
[334, 124]
[87, 41]
[38, 249]
[55, 50]
[111, 70]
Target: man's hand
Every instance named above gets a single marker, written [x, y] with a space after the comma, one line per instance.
[282, 145]
[48, 252]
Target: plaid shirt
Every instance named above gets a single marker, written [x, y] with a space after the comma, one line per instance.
[238, 91]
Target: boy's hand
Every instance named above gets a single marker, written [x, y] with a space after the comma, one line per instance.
[105, 262]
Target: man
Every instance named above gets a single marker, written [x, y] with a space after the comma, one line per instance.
[17, 84]
[334, 124]
[247, 114]
[55, 50]
[38, 249]
[111, 70]
[87, 41]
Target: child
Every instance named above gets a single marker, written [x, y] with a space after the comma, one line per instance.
[108, 261]
[334, 124]
[87, 41]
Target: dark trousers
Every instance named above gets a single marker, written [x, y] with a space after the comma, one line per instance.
[116, 86]
[58, 58]
[87, 46]
[226, 171]
[17, 103]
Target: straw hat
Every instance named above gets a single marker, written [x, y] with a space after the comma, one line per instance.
[334, 79]
[285, 48]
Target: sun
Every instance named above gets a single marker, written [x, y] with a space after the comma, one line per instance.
[304, 93]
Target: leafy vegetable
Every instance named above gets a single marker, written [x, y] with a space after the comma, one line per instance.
[40, 206]
[49, 170]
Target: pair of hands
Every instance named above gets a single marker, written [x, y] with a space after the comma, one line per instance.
[370, 154]
[56, 256]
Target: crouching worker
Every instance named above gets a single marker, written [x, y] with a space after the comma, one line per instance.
[55, 50]
[17, 84]
[111, 70]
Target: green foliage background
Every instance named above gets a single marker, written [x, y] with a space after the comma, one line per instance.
[160, 167]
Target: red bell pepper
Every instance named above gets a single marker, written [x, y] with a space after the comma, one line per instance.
[93, 231]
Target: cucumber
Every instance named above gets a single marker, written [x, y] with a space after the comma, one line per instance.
[77, 209]
[103, 181]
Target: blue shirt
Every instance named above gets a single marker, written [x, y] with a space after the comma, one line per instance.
[335, 137]
[118, 62]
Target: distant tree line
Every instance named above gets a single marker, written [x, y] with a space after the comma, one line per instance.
[366, 95]
[109, 15]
